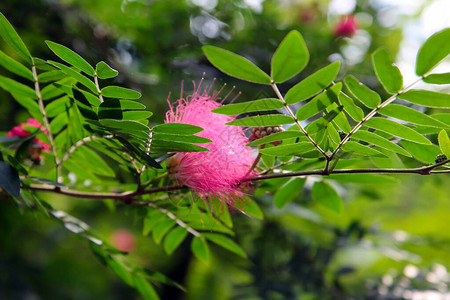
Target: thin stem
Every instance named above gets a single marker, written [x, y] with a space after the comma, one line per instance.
[371, 114]
[37, 89]
[288, 109]
[100, 96]
[81, 143]
[174, 217]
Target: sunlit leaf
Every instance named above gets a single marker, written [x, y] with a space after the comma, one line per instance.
[410, 115]
[161, 228]
[360, 149]
[174, 239]
[225, 242]
[290, 57]
[71, 57]
[427, 98]
[424, 153]
[319, 103]
[76, 75]
[120, 92]
[11, 37]
[264, 120]
[388, 74]
[235, 65]
[16, 88]
[288, 191]
[200, 249]
[278, 136]
[15, 67]
[286, 150]
[250, 106]
[312, 84]
[380, 141]
[435, 49]
[177, 128]
[361, 92]
[441, 78]
[444, 142]
[397, 129]
[104, 71]
[353, 111]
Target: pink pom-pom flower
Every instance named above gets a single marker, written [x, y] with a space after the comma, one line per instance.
[220, 171]
[346, 26]
[21, 131]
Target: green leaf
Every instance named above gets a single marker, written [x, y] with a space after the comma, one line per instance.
[200, 249]
[144, 288]
[49, 76]
[388, 74]
[290, 58]
[287, 150]
[278, 136]
[319, 103]
[435, 49]
[119, 269]
[235, 65]
[57, 106]
[288, 191]
[177, 128]
[427, 98]
[410, 115]
[174, 239]
[380, 141]
[71, 57]
[11, 37]
[225, 243]
[251, 106]
[15, 67]
[324, 194]
[152, 218]
[161, 228]
[50, 91]
[249, 207]
[9, 179]
[104, 71]
[180, 138]
[174, 146]
[397, 129]
[120, 92]
[424, 153]
[441, 78]
[444, 142]
[31, 105]
[264, 120]
[312, 84]
[322, 123]
[361, 92]
[76, 75]
[353, 111]
[367, 178]
[360, 149]
[16, 88]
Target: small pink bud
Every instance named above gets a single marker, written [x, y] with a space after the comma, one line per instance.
[346, 26]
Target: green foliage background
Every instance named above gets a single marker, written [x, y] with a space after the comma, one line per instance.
[302, 251]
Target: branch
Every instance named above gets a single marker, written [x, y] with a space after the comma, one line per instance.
[127, 197]
[81, 143]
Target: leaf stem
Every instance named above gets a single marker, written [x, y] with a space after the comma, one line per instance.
[81, 143]
[100, 96]
[292, 115]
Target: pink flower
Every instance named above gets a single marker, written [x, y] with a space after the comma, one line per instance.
[346, 26]
[123, 240]
[21, 132]
[220, 171]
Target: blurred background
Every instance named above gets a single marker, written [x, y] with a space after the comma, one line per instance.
[391, 241]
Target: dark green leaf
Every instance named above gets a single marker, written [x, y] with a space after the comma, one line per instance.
[380, 141]
[313, 84]
[57, 106]
[17, 88]
[235, 65]
[248, 207]
[388, 74]
[174, 146]
[361, 92]
[411, 115]
[288, 191]
[424, 153]
[129, 104]
[225, 243]
[120, 92]
[71, 57]
[200, 249]
[397, 129]
[251, 106]
[442, 78]
[174, 239]
[180, 138]
[427, 98]
[322, 123]
[104, 71]
[319, 103]
[9, 179]
[161, 228]
[11, 37]
[353, 111]
[49, 76]
[84, 105]
[287, 150]
[264, 120]
[276, 137]
[30, 105]
[144, 288]
[50, 91]
[324, 194]
[444, 142]
[15, 67]
[290, 58]
[435, 49]
[76, 75]
[177, 128]
[137, 115]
